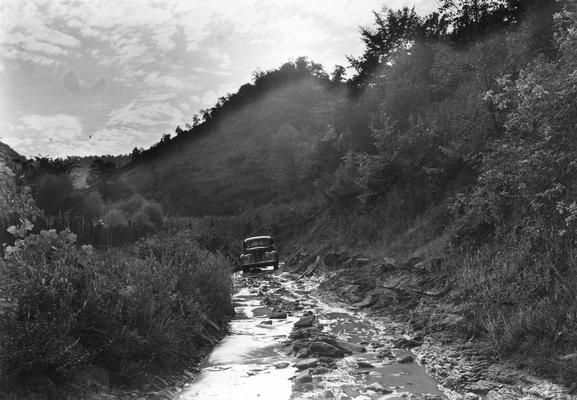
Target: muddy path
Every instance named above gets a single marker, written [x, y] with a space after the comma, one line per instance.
[287, 343]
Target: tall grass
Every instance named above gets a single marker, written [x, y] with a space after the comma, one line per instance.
[521, 304]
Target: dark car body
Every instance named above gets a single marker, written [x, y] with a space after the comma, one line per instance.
[257, 252]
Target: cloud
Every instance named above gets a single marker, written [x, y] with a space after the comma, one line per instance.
[145, 114]
[117, 141]
[161, 59]
[50, 135]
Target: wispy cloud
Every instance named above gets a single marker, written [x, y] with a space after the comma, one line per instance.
[81, 74]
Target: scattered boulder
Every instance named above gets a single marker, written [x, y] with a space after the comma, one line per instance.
[407, 342]
[269, 322]
[304, 332]
[325, 350]
[348, 347]
[303, 377]
[320, 370]
[278, 315]
[307, 363]
[327, 394]
[405, 359]
[385, 353]
[281, 365]
[305, 322]
[365, 364]
[377, 387]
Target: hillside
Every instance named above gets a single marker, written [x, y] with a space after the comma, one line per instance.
[81, 167]
[232, 164]
[8, 155]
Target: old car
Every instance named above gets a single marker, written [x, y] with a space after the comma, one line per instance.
[257, 252]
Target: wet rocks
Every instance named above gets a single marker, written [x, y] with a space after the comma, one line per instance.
[307, 363]
[278, 315]
[349, 347]
[377, 387]
[365, 364]
[405, 359]
[323, 349]
[305, 332]
[305, 322]
[385, 353]
[407, 342]
[281, 365]
[302, 378]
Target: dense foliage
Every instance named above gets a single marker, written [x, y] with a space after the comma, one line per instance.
[67, 307]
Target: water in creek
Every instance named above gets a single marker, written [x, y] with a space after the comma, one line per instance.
[242, 366]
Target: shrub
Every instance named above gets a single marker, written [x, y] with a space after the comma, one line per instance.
[133, 315]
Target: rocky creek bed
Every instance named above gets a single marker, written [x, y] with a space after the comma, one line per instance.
[318, 335]
[300, 347]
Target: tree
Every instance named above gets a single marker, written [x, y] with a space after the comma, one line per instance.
[102, 177]
[51, 192]
[287, 161]
[393, 29]
[338, 74]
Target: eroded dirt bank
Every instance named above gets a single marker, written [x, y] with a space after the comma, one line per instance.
[412, 296]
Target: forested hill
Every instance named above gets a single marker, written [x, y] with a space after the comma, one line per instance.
[421, 105]
[246, 153]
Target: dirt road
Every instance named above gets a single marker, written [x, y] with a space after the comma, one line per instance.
[286, 343]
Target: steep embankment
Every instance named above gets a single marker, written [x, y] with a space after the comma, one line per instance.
[231, 164]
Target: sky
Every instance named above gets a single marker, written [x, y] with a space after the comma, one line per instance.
[101, 77]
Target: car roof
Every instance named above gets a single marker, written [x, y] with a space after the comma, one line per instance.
[256, 238]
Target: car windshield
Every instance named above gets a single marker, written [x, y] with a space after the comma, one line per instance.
[260, 242]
